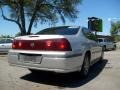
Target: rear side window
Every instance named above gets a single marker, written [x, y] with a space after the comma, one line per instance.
[66, 30]
[106, 40]
[100, 40]
[88, 34]
[2, 41]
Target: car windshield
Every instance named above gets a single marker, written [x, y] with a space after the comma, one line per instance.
[66, 30]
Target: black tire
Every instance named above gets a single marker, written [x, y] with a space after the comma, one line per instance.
[104, 48]
[86, 65]
[102, 54]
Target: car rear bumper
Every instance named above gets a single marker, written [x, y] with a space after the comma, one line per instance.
[59, 62]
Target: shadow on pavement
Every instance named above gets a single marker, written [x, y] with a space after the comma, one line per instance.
[3, 54]
[70, 80]
[110, 50]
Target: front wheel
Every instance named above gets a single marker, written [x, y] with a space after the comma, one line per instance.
[85, 66]
[104, 48]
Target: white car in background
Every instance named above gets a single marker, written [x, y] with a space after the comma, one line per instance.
[106, 44]
[5, 44]
[59, 49]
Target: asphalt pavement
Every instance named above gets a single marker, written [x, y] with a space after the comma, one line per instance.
[104, 75]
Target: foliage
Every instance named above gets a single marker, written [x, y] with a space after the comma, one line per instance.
[5, 36]
[34, 11]
[18, 34]
[115, 26]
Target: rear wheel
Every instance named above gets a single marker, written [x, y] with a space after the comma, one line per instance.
[102, 54]
[85, 66]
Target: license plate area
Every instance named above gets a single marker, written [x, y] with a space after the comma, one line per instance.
[30, 58]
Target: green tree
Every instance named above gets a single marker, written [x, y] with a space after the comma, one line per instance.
[115, 26]
[5, 36]
[18, 34]
[26, 13]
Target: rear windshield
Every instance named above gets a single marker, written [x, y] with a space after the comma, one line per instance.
[66, 30]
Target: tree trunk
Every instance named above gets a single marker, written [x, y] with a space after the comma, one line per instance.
[22, 18]
[23, 32]
[31, 23]
[33, 17]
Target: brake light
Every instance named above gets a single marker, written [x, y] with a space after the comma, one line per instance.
[62, 46]
[14, 44]
[44, 45]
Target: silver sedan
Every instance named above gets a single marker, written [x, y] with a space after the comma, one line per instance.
[59, 49]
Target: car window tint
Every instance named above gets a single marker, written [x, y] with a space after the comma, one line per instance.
[8, 41]
[89, 34]
[100, 40]
[66, 30]
[2, 41]
[106, 40]
[109, 40]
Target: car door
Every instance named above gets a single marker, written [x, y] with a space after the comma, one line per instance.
[2, 45]
[107, 43]
[111, 44]
[92, 42]
[96, 49]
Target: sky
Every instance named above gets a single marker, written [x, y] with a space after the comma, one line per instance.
[107, 10]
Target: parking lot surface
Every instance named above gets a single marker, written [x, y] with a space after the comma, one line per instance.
[104, 75]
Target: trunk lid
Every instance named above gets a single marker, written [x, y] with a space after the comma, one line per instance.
[39, 37]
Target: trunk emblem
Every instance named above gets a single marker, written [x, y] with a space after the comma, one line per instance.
[32, 44]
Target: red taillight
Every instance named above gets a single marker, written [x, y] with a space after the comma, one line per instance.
[44, 45]
[14, 44]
